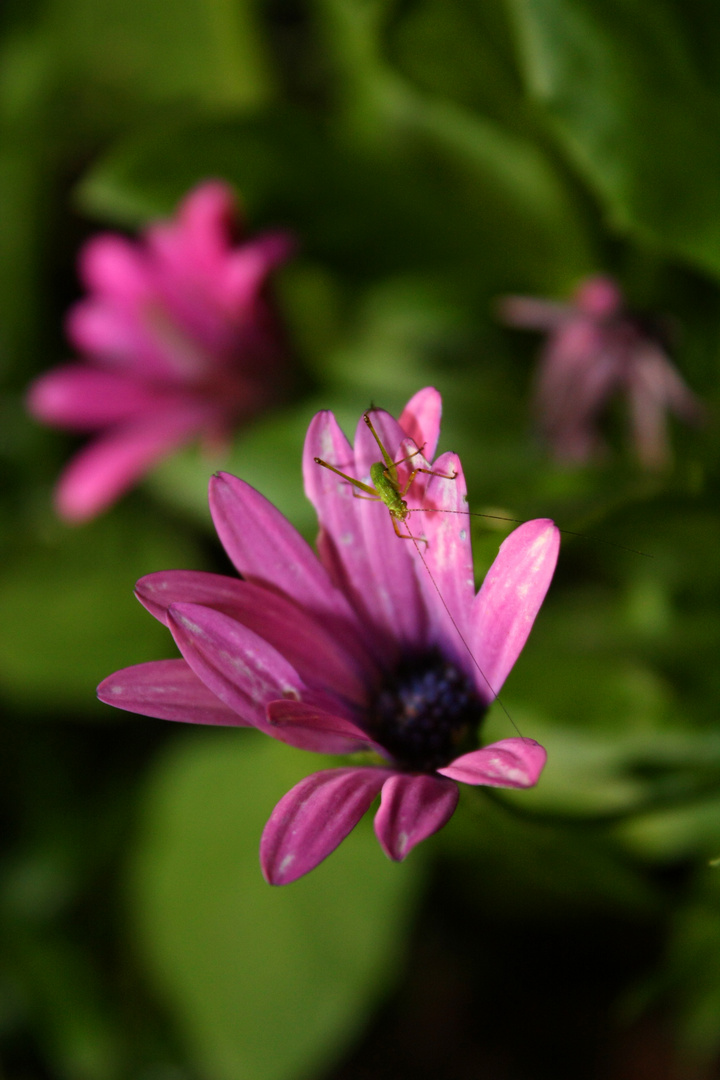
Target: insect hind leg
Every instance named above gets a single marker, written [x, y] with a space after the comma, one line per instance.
[408, 535]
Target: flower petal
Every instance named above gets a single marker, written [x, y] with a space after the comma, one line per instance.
[267, 549]
[412, 807]
[513, 763]
[420, 420]
[335, 734]
[446, 575]
[234, 663]
[205, 219]
[246, 270]
[314, 652]
[366, 449]
[105, 469]
[529, 313]
[341, 542]
[396, 594]
[111, 334]
[118, 267]
[84, 398]
[510, 598]
[247, 675]
[168, 690]
[313, 818]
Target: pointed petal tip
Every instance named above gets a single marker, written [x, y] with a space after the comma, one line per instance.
[510, 599]
[311, 728]
[220, 477]
[513, 763]
[107, 690]
[313, 818]
[420, 419]
[540, 528]
[412, 808]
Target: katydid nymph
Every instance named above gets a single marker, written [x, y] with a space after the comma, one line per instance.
[385, 486]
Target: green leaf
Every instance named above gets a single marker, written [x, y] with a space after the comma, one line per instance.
[477, 36]
[192, 50]
[289, 171]
[368, 214]
[633, 111]
[525, 214]
[264, 983]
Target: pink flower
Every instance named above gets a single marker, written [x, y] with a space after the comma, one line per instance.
[353, 650]
[177, 338]
[596, 350]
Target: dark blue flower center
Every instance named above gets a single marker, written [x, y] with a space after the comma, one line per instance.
[426, 712]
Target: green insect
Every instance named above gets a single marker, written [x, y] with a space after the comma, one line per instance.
[386, 489]
[385, 486]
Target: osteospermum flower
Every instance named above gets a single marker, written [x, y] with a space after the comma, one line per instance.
[363, 647]
[177, 340]
[597, 350]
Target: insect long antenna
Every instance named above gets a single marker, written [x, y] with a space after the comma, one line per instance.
[521, 521]
[495, 695]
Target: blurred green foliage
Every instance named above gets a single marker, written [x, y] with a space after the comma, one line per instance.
[429, 155]
[304, 962]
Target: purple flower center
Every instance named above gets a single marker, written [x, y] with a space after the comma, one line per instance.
[425, 712]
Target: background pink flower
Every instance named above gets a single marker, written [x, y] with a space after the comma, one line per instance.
[177, 340]
[359, 649]
[596, 350]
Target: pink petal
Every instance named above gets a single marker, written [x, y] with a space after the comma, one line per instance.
[446, 574]
[313, 818]
[207, 215]
[581, 369]
[115, 266]
[336, 734]
[396, 594]
[247, 674]
[529, 313]
[266, 548]
[653, 386]
[314, 652]
[234, 663]
[510, 598]
[104, 332]
[246, 270]
[186, 322]
[367, 451]
[85, 398]
[144, 339]
[168, 690]
[420, 420]
[341, 542]
[196, 240]
[412, 807]
[599, 297]
[190, 255]
[513, 763]
[104, 470]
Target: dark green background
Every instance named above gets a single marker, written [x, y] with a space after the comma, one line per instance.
[430, 155]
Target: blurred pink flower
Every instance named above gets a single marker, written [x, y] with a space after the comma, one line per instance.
[177, 338]
[354, 650]
[595, 350]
